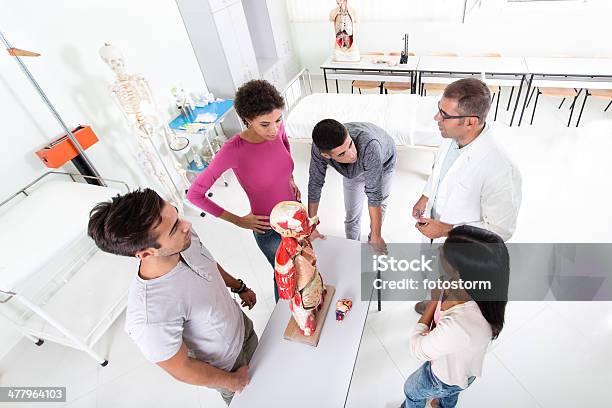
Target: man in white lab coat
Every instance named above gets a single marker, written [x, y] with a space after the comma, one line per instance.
[473, 182]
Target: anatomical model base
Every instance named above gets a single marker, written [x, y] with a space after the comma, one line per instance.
[293, 332]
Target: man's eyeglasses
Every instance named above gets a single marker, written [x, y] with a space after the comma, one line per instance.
[447, 116]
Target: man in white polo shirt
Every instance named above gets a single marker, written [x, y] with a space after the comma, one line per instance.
[179, 310]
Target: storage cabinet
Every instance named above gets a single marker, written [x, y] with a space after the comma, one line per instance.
[222, 44]
[238, 40]
[216, 5]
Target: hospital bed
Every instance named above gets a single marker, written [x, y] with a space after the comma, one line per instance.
[54, 283]
[408, 118]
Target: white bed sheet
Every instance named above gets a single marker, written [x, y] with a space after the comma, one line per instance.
[407, 118]
[42, 225]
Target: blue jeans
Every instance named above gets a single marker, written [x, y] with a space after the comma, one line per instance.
[423, 385]
[268, 243]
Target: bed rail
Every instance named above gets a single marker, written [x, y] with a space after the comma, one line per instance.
[297, 88]
[24, 191]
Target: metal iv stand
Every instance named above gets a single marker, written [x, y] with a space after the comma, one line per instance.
[17, 53]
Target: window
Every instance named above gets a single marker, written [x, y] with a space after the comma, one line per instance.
[380, 10]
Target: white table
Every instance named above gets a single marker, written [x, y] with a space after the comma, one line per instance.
[573, 67]
[502, 71]
[568, 72]
[473, 65]
[279, 366]
[368, 70]
[594, 73]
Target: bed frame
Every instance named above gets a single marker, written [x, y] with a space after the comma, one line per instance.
[36, 315]
[300, 86]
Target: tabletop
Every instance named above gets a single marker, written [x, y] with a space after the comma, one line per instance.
[284, 372]
[492, 65]
[368, 62]
[570, 66]
[218, 108]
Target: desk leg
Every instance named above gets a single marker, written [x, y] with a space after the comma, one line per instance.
[518, 98]
[325, 80]
[586, 95]
[379, 292]
[337, 91]
[525, 104]
[412, 91]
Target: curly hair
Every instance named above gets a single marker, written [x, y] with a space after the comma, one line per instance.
[255, 98]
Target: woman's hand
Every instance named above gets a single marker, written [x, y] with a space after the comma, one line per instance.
[295, 190]
[257, 223]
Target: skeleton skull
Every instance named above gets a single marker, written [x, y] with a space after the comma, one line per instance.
[113, 57]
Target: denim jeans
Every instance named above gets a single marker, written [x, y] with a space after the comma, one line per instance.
[423, 385]
[268, 243]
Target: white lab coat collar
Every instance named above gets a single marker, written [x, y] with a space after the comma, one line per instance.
[475, 150]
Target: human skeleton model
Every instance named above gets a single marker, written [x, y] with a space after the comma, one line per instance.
[344, 19]
[296, 272]
[134, 98]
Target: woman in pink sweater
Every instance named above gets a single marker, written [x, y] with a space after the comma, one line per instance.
[260, 157]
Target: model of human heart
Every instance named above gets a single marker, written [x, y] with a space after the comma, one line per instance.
[295, 269]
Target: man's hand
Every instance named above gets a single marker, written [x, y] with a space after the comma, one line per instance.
[257, 223]
[379, 245]
[316, 234]
[240, 379]
[433, 229]
[248, 298]
[295, 190]
[420, 205]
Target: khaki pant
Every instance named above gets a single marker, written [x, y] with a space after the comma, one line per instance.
[354, 197]
[248, 349]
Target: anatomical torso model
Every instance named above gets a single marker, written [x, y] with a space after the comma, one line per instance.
[296, 270]
[344, 19]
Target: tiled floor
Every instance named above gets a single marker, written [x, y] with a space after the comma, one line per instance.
[548, 355]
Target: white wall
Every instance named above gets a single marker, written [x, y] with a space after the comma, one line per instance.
[534, 29]
[68, 34]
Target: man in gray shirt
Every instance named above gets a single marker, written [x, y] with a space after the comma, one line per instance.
[364, 155]
[179, 311]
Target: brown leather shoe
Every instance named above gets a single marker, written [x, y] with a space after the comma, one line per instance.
[421, 306]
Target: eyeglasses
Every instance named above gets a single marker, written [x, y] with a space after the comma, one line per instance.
[447, 116]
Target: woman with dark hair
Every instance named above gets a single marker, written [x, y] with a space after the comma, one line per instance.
[454, 332]
[260, 157]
